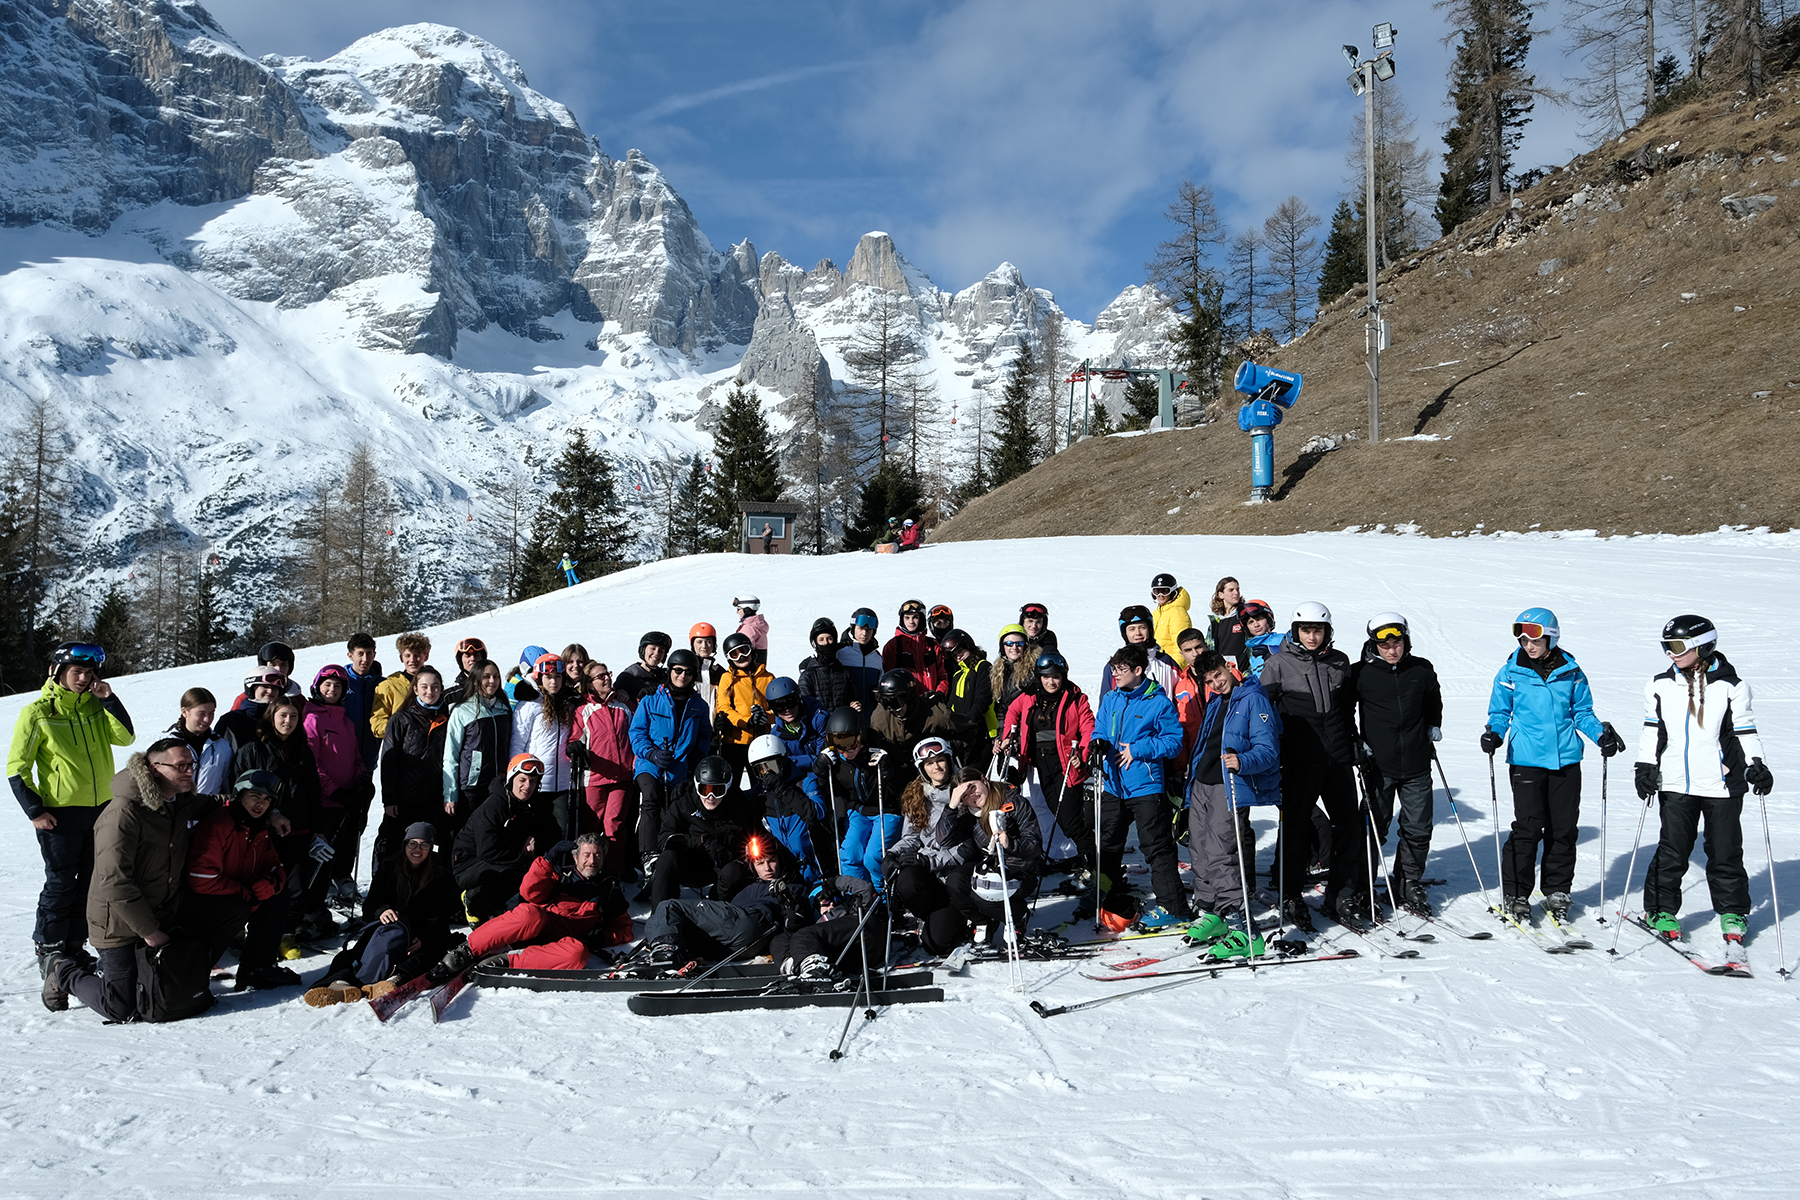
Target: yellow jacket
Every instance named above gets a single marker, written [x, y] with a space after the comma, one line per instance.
[390, 694]
[737, 693]
[1171, 619]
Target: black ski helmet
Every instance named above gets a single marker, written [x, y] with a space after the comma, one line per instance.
[1690, 632]
[1163, 582]
[1131, 614]
[655, 637]
[735, 642]
[713, 771]
[270, 651]
[953, 641]
[894, 688]
[843, 720]
[823, 625]
[684, 658]
[1052, 663]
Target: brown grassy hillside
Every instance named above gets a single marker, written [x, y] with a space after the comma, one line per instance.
[1615, 352]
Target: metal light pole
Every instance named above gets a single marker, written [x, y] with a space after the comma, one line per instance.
[1375, 332]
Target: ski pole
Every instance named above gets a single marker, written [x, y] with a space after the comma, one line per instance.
[1601, 919]
[837, 845]
[1387, 877]
[838, 1050]
[1630, 870]
[887, 946]
[730, 958]
[1769, 849]
[1499, 867]
[1014, 972]
[1451, 796]
[1099, 805]
[1237, 837]
[1037, 1006]
[1281, 853]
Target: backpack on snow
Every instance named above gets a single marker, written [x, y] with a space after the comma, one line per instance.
[174, 981]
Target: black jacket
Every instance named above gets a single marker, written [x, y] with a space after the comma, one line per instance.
[426, 906]
[498, 832]
[291, 762]
[829, 684]
[1312, 691]
[858, 785]
[412, 756]
[1398, 706]
[720, 832]
[638, 681]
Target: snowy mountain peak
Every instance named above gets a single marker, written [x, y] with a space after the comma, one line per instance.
[877, 263]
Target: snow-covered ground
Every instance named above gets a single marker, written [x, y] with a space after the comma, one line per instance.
[1479, 1069]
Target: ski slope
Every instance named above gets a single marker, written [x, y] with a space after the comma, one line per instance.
[1481, 1069]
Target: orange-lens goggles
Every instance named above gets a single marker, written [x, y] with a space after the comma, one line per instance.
[1528, 629]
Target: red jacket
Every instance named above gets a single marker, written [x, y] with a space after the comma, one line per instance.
[543, 887]
[229, 855]
[918, 653]
[1074, 724]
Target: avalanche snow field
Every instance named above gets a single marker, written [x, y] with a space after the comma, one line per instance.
[1481, 1069]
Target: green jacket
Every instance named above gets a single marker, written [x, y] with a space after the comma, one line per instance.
[68, 738]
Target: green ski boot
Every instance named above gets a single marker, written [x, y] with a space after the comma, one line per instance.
[1733, 925]
[1236, 944]
[1208, 930]
[1665, 925]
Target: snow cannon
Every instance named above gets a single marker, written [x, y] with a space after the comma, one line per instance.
[1271, 393]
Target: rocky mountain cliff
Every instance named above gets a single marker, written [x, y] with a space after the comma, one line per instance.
[224, 272]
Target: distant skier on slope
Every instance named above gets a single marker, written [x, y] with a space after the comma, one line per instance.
[568, 570]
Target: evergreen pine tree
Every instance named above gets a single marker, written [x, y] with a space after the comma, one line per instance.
[748, 468]
[1143, 402]
[1102, 420]
[580, 518]
[1199, 337]
[1016, 442]
[1344, 265]
[113, 631]
[893, 491]
[205, 634]
[688, 512]
[1493, 97]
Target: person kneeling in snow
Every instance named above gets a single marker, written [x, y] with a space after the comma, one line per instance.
[681, 931]
[559, 916]
[412, 900]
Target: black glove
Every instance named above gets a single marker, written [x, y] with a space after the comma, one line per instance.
[578, 755]
[1649, 781]
[1098, 751]
[1759, 777]
[759, 720]
[662, 756]
[721, 725]
[1491, 741]
[890, 865]
[1610, 742]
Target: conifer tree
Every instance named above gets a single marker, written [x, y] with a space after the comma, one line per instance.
[1343, 267]
[893, 491]
[1143, 402]
[206, 634]
[580, 517]
[877, 357]
[747, 468]
[1016, 441]
[113, 631]
[1493, 96]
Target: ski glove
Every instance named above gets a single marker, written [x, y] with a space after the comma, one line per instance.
[876, 754]
[263, 889]
[662, 757]
[1491, 741]
[1610, 742]
[721, 725]
[1098, 751]
[1436, 734]
[321, 851]
[759, 720]
[1759, 777]
[1649, 781]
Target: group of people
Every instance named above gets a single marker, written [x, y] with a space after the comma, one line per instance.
[912, 780]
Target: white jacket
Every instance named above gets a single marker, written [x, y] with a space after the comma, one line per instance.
[535, 733]
[1700, 742]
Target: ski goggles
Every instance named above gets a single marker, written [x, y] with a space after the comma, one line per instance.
[867, 621]
[711, 790]
[87, 652]
[932, 750]
[941, 612]
[525, 764]
[1389, 633]
[1034, 610]
[1676, 647]
[273, 679]
[1161, 593]
[787, 704]
[912, 607]
[1530, 629]
[471, 646]
[741, 653]
[1257, 610]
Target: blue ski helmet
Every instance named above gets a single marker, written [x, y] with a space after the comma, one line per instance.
[1540, 619]
[782, 688]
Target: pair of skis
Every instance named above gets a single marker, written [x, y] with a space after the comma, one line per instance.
[1735, 966]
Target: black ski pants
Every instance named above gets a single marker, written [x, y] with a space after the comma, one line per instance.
[113, 991]
[1414, 795]
[919, 891]
[1724, 846]
[708, 929]
[649, 814]
[68, 852]
[1303, 785]
[1547, 810]
[836, 939]
[1152, 815]
[215, 920]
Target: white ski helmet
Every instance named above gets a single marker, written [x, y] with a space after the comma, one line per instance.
[987, 886]
[1311, 612]
[1387, 620]
[765, 747]
[749, 602]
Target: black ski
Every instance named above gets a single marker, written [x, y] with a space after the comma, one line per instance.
[672, 1004]
[730, 975]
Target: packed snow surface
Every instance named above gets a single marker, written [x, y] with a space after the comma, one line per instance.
[1482, 1069]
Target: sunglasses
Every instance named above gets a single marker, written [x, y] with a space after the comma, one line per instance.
[674, 671]
[1012, 645]
[1528, 629]
[604, 674]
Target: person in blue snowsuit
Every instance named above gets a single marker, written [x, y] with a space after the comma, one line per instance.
[1134, 731]
[1541, 697]
[568, 570]
[797, 723]
[670, 733]
[789, 811]
[1236, 763]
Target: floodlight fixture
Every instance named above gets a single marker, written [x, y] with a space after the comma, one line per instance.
[1350, 53]
[1384, 67]
[1355, 80]
[1384, 34]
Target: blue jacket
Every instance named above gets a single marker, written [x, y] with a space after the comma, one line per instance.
[1545, 715]
[1260, 647]
[654, 723]
[1145, 718]
[802, 746]
[1253, 733]
[359, 702]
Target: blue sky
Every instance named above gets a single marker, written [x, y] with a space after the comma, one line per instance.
[1050, 133]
